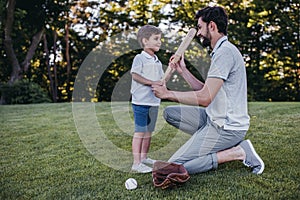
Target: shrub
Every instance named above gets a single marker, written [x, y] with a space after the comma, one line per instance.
[23, 92]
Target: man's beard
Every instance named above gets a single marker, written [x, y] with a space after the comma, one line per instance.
[205, 42]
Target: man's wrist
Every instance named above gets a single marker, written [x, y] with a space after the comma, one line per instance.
[184, 70]
[169, 95]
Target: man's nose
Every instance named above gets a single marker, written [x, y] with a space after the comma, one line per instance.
[198, 34]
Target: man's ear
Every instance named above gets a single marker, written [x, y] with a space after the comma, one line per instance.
[213, 25]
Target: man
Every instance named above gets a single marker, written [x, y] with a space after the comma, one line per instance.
[218, 130]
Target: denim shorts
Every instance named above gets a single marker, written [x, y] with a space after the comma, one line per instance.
[144, 118]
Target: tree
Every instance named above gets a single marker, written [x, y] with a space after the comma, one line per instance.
[17, 68]
[272, 47]
[50, 51]
[24, 27]
[47, 41]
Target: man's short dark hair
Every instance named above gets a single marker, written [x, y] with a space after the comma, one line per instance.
[216, 14]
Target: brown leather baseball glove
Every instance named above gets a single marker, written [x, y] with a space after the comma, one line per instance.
[169, 175]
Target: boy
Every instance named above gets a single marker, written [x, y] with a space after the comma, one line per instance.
[146, 71]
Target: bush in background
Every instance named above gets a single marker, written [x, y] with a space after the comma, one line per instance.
[23, 92]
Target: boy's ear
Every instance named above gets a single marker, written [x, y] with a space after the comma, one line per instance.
[144, 41]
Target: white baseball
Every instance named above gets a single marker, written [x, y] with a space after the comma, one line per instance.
[131, 184]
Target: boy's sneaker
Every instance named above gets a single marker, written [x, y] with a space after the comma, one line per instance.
[148, 161]
[252, 158]
[141, 168]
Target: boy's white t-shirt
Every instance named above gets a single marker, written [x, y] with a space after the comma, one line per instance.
[150, 68]
[229, 108]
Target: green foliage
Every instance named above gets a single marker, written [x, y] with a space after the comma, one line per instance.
[24, 92]
[42, 157]
[269, 40]
[266, 32]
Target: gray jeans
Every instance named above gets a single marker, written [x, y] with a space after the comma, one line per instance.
[199, 153]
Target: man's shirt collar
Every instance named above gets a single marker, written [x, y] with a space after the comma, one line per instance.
[218, 44]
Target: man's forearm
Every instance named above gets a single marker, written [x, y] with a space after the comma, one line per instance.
[201, 97]
[192, 80]
[195, 98]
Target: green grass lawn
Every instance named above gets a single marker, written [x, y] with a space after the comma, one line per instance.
[49, 152]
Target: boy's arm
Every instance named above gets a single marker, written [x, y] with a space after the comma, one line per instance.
[140, 79]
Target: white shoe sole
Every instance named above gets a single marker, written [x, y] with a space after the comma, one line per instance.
[257, 157]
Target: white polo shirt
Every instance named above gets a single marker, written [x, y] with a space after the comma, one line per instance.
[150, 68]
[229, 108]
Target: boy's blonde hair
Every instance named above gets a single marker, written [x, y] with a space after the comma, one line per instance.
[146, 32]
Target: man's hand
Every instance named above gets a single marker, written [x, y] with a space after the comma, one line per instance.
[160, 91]
[180, 66]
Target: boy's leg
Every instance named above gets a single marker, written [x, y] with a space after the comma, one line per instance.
[137, 141]
[140, 114]
[145, 145]
[140, 120]
[151, 121]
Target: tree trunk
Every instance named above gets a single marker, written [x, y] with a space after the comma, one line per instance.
[17, 69]
[67, 54]
[67, 50]
[55, 66]
[8, 44]
[47, 58]
[30, 53]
